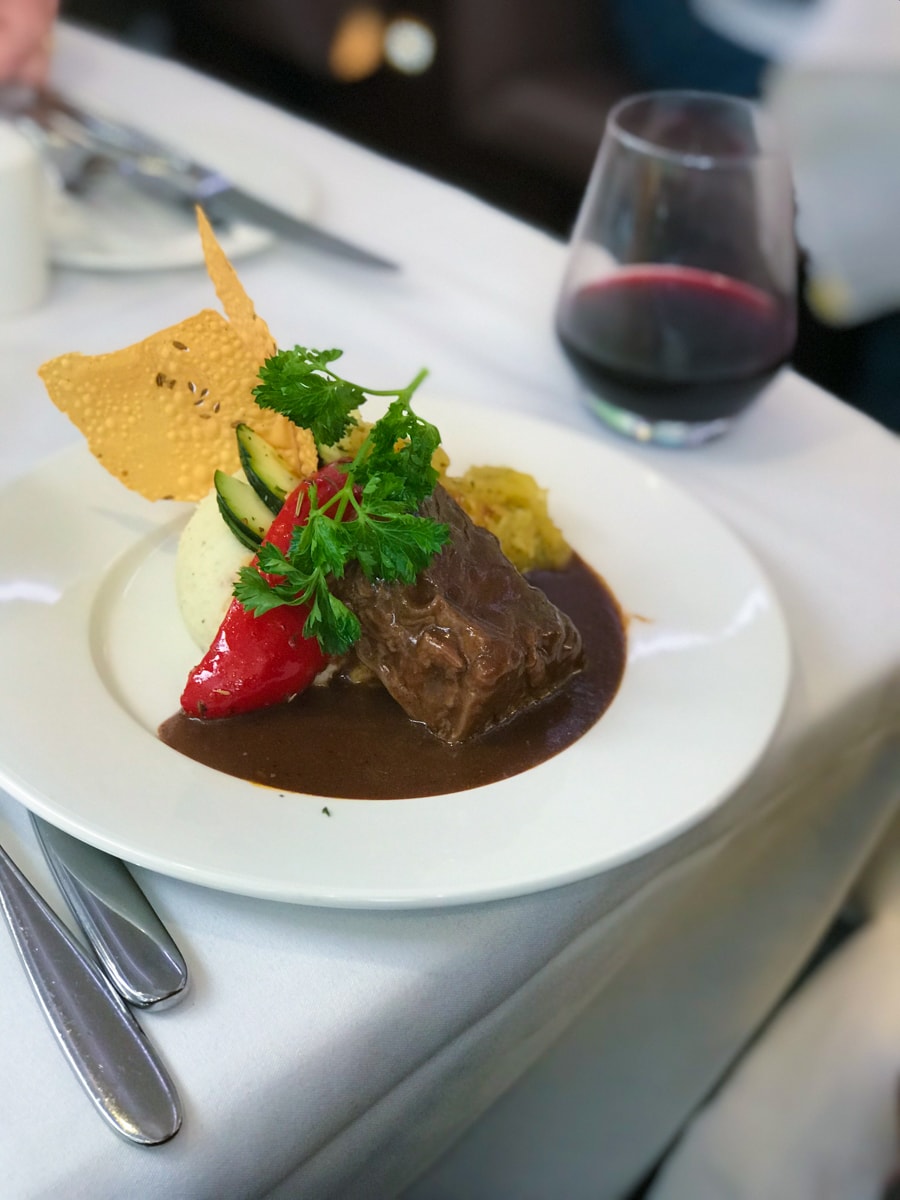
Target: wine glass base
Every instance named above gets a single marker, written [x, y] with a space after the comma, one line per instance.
[658, 433]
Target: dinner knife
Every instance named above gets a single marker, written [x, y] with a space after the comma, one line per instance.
[107, 1049]
[222, 202]
[135, 949]
[162, 171]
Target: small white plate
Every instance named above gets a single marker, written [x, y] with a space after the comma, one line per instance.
[114, 227]
[95, 657]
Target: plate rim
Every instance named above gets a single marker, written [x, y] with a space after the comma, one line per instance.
[415, 897]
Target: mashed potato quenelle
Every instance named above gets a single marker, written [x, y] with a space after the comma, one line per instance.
[206, 566]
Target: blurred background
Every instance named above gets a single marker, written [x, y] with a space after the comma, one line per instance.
[508, 98]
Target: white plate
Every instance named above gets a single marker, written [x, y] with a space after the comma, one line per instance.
[116, 228]
[95, 656]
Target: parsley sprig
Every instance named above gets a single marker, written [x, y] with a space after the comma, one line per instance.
[372, 518]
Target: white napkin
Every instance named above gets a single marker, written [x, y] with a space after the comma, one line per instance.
[845, 32]
[834, 88]
[843, 128]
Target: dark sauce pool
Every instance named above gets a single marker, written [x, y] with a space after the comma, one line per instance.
[354, 742]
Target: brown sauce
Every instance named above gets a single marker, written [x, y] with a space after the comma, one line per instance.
[355, 742]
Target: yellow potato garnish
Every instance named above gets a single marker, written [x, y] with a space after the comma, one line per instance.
[513, 507]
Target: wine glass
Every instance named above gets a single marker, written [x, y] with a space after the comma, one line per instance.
[679, 299]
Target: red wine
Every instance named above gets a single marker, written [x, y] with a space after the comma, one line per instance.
[673, 343]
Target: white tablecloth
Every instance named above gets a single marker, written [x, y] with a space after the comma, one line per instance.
[326, 1053]
[840, 1034]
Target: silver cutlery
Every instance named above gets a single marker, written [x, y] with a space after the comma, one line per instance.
[81, 143]
[107, 1049]
[133, 946]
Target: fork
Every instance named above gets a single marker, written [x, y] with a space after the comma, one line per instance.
[97, 1032]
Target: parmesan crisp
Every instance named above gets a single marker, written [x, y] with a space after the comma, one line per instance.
[160, 415]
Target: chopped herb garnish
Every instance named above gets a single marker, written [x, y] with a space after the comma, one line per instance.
[370, 520]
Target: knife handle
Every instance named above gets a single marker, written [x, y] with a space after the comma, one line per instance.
[134, 947]
[105, 1046]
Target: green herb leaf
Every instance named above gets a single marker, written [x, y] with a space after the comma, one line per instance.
[257, 594]
[371, 520]
[299, 384]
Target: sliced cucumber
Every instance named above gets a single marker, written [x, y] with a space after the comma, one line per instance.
[243, 511]
[267, 472]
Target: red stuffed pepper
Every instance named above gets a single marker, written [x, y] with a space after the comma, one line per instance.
[257, 661]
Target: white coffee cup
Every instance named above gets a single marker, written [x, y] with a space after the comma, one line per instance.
[23, 226]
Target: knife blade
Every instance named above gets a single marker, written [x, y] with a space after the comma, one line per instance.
[162, 171]
[222, 202]
[133, 946]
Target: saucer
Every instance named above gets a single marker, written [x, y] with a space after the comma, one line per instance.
[114, 227]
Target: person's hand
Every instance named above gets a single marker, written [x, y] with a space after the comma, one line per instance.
[25, 39]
